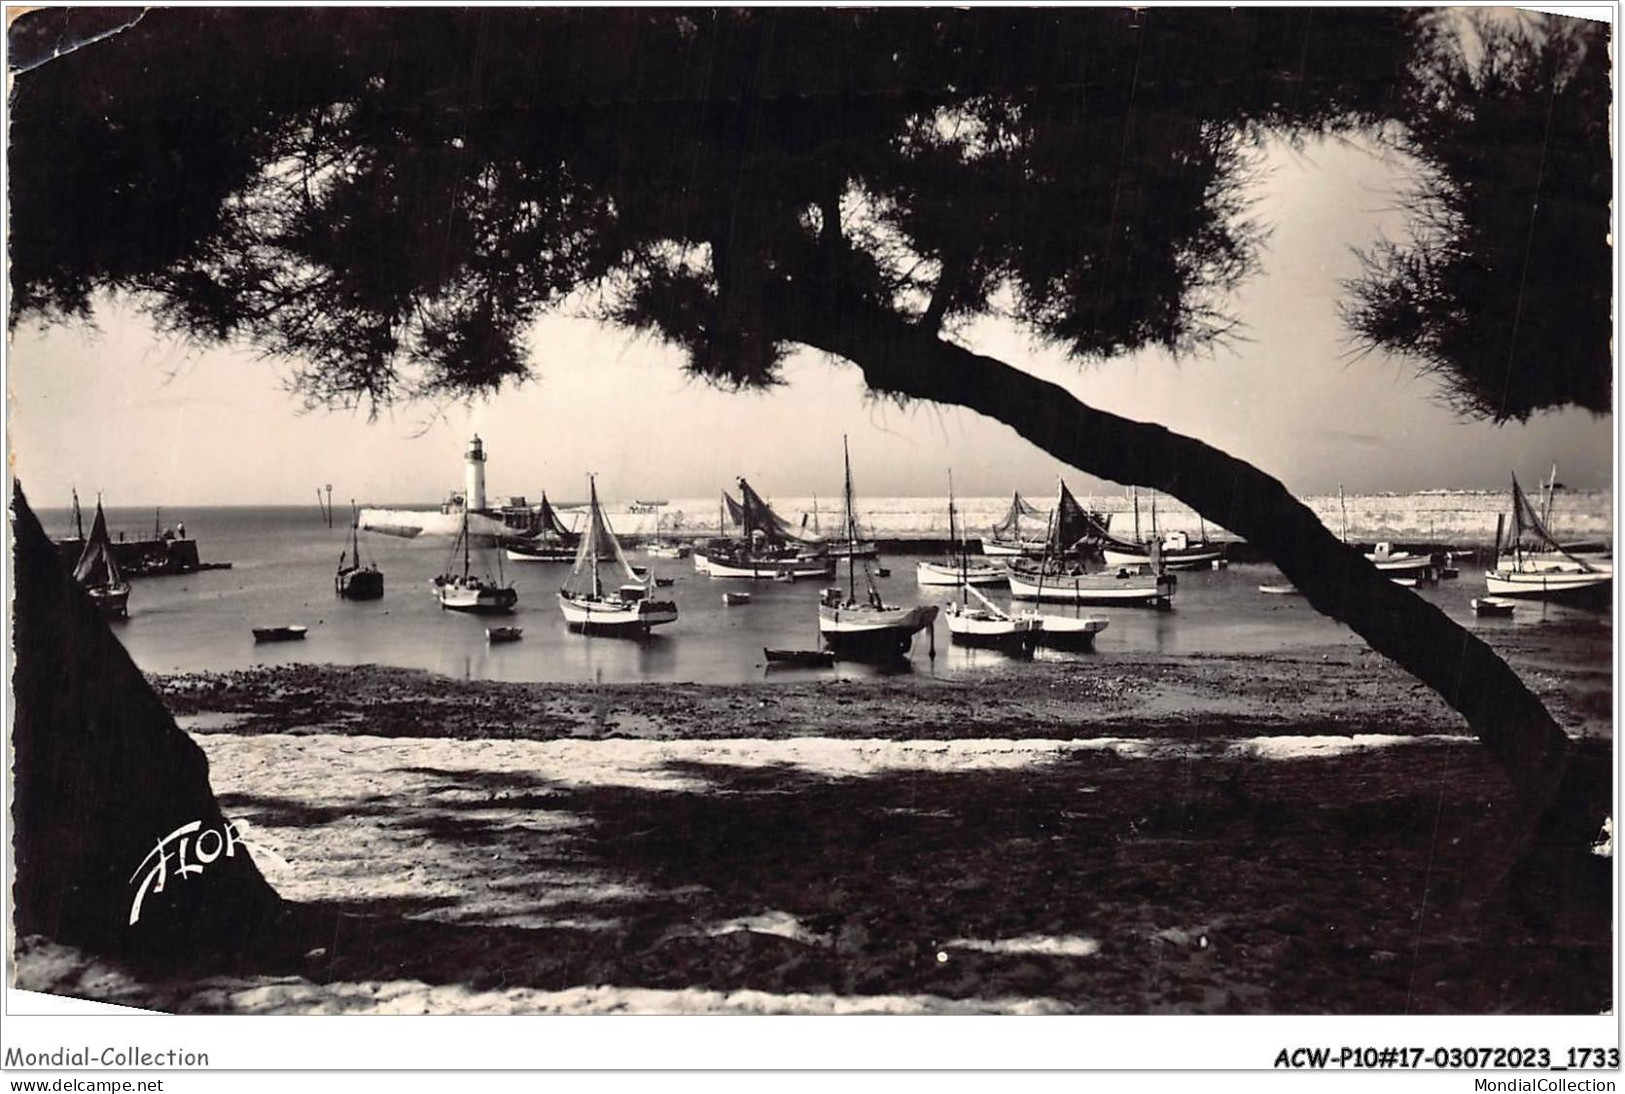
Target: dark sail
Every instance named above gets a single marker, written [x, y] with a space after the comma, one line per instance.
[548, 522]
[1010, 526]
[758, 517]
[97, 566]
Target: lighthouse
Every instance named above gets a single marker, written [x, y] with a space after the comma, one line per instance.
[474, 475]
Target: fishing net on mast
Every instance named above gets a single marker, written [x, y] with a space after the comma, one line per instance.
[96, 564]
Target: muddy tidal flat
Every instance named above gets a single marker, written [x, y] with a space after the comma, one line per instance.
[1224, 834]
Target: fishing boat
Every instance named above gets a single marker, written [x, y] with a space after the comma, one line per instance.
[467, 593]
[1536, 566]
[98, 571]
[547, 540]
[869, 627]
[355, 581]
[732, 599]
[1491, 606]
[589, 606]
[808, 659]
[496, 635]
[957, 569]
[766, 547]
[287, 633]
[1074, 632]
[1007, 539]
[1178, 551]
[1058, 581]
[983, 623]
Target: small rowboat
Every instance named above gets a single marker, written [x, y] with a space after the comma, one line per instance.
[735, 598]
[800, 658]
[503, 634]
[1280, 590]
[664, 582]
[1492, 606]
[279, 634]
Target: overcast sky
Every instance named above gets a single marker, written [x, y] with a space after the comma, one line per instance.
[149, 422]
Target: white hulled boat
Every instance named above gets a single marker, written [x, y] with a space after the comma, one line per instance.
[768, 547]
[1056, 582]
[957, 569]
[588, 606]
[466, 593]
[984, 623]
[1177, 550]
[1538, 567]
[868, 627]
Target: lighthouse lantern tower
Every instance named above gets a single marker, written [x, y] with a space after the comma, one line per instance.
[474, 475]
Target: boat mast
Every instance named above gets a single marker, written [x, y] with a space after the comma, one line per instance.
[595, 522]
[851, 527]
[78, 517]
[1344, 510]
[964, 563]
[1136, 491]
[465, 544]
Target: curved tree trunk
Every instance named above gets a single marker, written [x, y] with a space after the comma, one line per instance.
[899, 359]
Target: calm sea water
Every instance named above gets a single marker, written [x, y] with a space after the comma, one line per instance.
[283, 561]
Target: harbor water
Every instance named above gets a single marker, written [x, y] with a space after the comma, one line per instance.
[283, 561]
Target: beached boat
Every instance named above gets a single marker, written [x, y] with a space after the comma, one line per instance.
[1491, 606]
[286, 633]
[799, 658]
[355, 581]
[588, 606]
[1177, 550]
[868, 628]
[1537, 566]
[466, 593]
[504, 634]
[98, 571]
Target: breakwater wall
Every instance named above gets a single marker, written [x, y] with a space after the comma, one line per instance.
[1446, 518]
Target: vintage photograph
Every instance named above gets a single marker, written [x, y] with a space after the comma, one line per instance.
[812, 511]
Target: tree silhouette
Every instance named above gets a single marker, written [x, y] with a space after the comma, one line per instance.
[1503, 285]
[388, 198]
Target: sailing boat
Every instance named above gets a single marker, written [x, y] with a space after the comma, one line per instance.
[666, 548]
[869, 628]
[1072, 632]
[1007, 539]
[588, 607]
[355, 581]
[957, 569]
[769, 546]
[1177, 549]
[98, 571]
[1536, 565]
[467, 593]
[986, 624]
[550, 541]
[1056, 582]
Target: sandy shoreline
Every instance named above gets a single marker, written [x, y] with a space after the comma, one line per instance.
[1262, 835]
